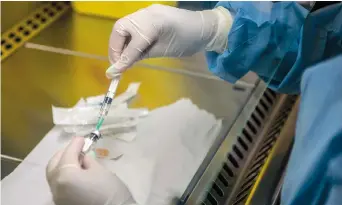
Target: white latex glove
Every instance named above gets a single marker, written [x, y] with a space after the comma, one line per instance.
[89, 183]
[164, 31]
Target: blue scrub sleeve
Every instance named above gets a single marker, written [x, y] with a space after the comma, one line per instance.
[314, 173]
[264, 38]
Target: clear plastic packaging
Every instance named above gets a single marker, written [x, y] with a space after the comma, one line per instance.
[120, 122]
[88, 115]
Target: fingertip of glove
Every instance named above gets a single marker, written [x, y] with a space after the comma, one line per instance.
[77, 139]
[75, 145]
[113, 71]
[110, 75]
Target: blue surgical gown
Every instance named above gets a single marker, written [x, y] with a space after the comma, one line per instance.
[277, 41]
[295, 51]
[314, 172]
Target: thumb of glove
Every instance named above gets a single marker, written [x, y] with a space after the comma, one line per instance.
[72, 153]
[115, 69]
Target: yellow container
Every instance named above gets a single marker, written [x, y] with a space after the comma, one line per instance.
[114, 9]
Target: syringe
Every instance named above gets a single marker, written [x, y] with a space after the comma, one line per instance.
[94, 136]
[108, 100]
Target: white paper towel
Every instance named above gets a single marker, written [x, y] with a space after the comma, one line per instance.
[170, 145]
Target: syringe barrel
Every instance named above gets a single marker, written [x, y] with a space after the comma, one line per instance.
[114, 84]
[105, 106]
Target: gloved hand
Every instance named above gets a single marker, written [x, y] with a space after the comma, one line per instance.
[86, 183]
[164, 31]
